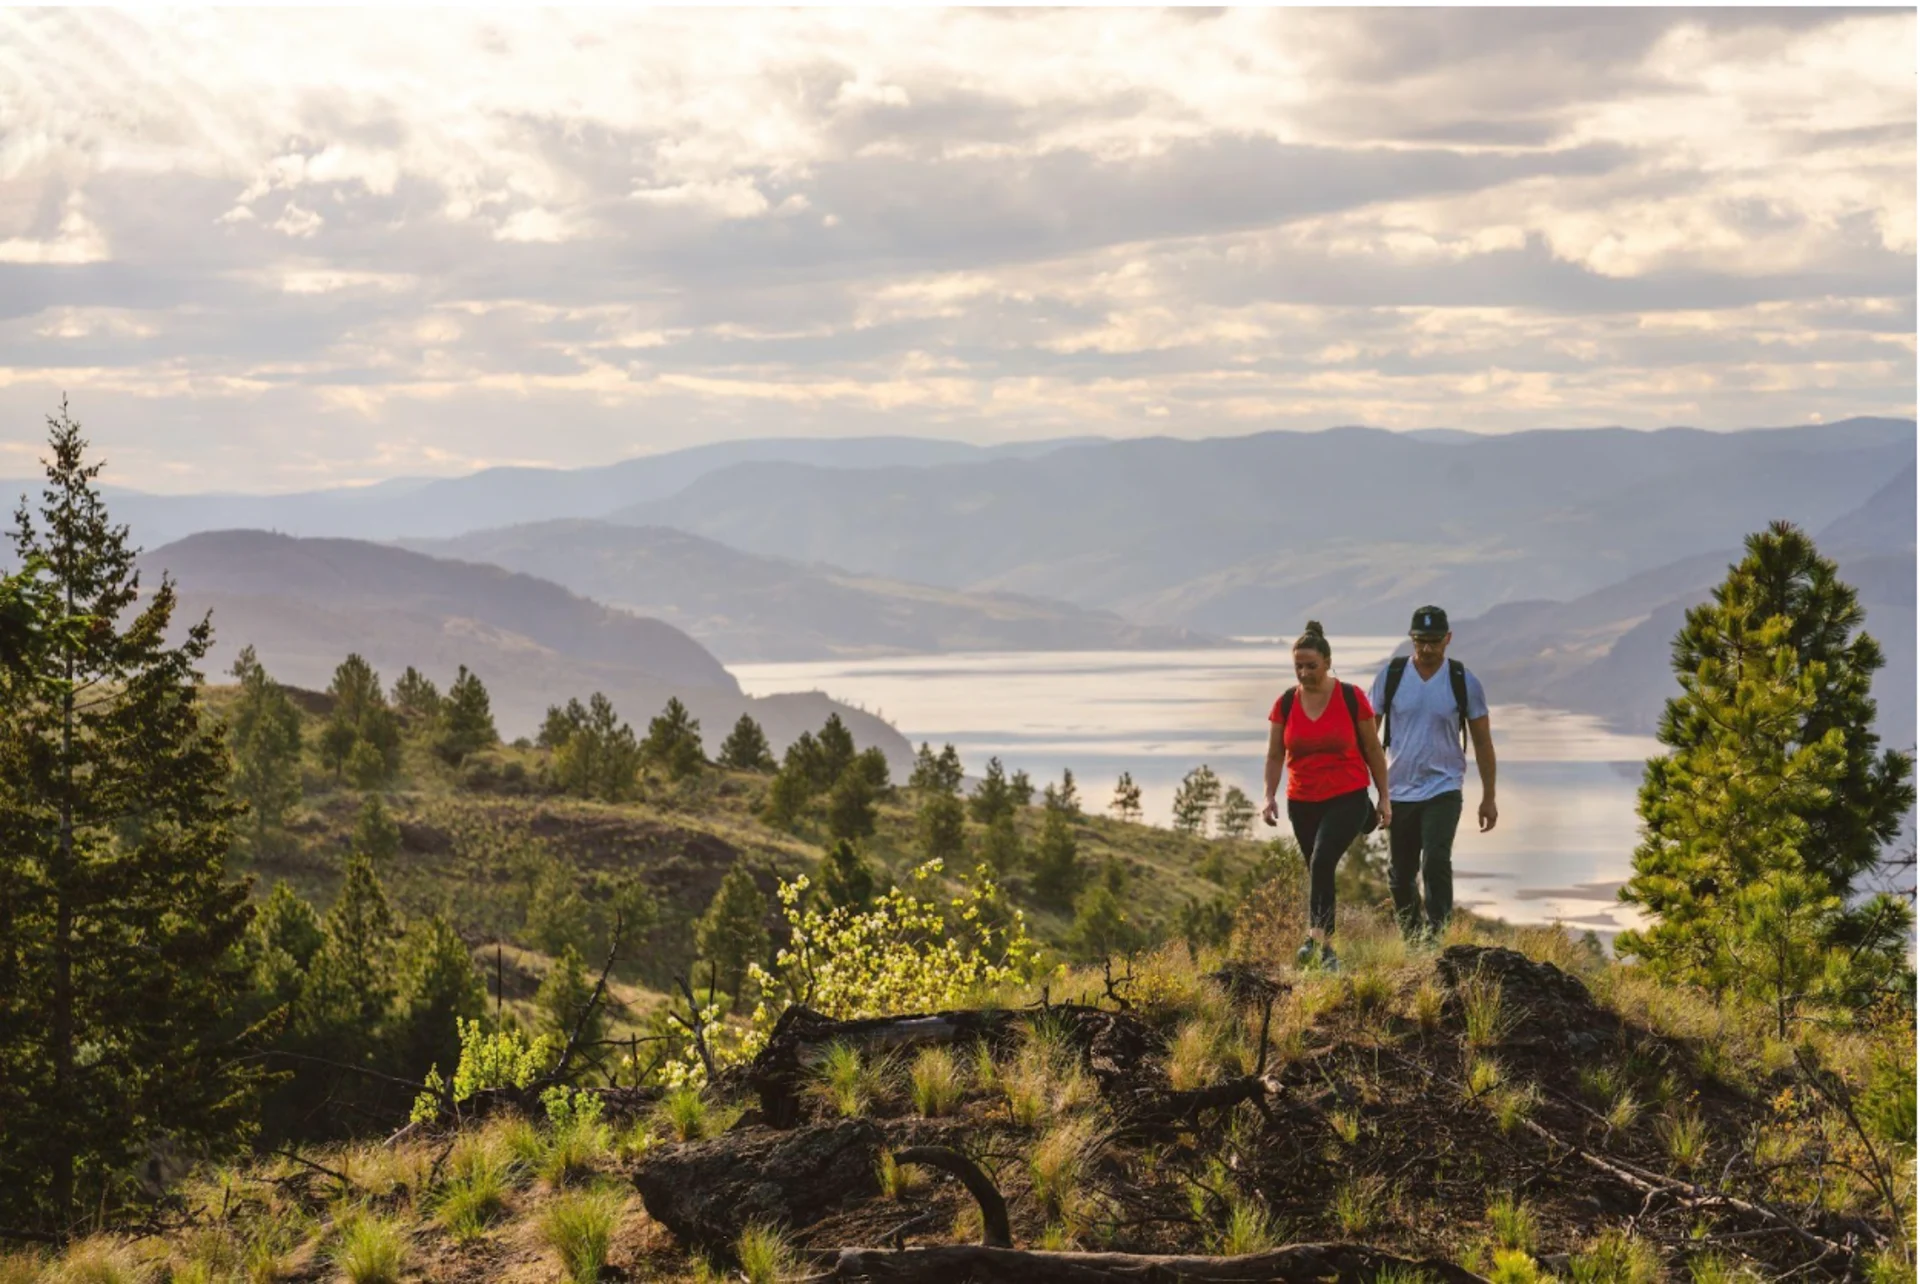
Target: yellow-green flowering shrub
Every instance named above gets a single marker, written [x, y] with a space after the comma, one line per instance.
[907, 953]
[503, 1059]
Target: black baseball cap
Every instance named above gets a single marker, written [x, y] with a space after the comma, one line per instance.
[1428, 621]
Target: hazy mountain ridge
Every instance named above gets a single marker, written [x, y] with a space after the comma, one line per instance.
[425, 507]
[1608, 653]
[751, 607]
[1230, 535]
[304, 604]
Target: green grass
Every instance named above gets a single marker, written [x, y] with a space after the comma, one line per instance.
[1684, 1134]
[687, 1113]
[1484, 1012]
[1512, 1222]
[937, 1082]
[1612, 1257]
[476, 1190]
[371, 1250]
[846, 1081]
[1249, 1230]
[1058, 1166]
[574, 1151]
[1360, 1203]
[579, 1226]
[764, 1254]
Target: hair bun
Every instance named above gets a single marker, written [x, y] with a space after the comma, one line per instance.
[1314, 629]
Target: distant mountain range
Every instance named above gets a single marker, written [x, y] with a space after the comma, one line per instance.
[749, 607]
[1607, 653]
[1251, 535]
[303, 604]
[417, 507]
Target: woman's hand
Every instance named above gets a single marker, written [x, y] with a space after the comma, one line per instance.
[1386, 811]
[1271, 812]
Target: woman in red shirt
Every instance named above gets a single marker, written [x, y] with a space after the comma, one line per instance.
[1328, 755]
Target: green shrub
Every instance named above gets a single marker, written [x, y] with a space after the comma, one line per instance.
[764, 1253]
[371, 1250]
[937, 1083]
[1512, 1221]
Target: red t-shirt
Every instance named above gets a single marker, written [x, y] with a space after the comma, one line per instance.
[1323, 756]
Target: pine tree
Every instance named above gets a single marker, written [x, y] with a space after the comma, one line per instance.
[561, 723]
[952, 774]
[264, 735]
[1194, 799]
[282, 940]
[745, 748]
[1067, 797]
[438, 985]
[1057, 871]
[360, 722]
[940, 827]
[466, 719]
[1126, 799]
[846, 878]
[991, 797]
[415, 697]
[1000, 846]
[673, 742]
[806, 763]
[1236, 813]
[350, 983]
[375, 833]
[836, 752]
[926, 771]
[1020, 789]
[563, 997]
[1101, 926]
[115, 903]
[733, 931]
[1772, 799]
[850, 809]
[599, 757]
[787, 797]
[871, 763]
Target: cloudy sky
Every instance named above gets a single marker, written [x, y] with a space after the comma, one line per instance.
[267, 250]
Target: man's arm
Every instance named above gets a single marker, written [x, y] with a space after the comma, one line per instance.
[1481, 730]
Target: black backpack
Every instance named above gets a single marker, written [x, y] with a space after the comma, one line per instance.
[1351, 694]
[1397, 669]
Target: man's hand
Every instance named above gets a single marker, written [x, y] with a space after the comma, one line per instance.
[1386, 812]
[1489, 814]
[1271, 812]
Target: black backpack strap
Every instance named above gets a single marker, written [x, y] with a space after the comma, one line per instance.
[1396, 669]
[1286, 709]
[1457, 673]
[1352, 696]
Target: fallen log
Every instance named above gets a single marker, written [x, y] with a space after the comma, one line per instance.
[708, 1192]
[998, 1232]
[978, 1264]
[801, 1037]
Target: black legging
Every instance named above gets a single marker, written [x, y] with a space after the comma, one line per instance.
[1324, 831]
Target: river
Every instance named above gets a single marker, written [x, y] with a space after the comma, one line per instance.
[1566, 784]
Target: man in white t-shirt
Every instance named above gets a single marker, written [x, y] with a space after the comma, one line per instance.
[1428, 707]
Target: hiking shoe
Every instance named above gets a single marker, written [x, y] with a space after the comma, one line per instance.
[1308, 954]
[1328, 959]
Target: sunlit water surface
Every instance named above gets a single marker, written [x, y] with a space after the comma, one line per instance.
[1566, 784]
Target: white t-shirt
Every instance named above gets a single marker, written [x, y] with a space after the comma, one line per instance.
[1425, 759]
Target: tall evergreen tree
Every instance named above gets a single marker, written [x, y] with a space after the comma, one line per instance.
[561, 723]
[850, 809]
[115, 904]
[1020, 789]
[1236, 813]
[871, 763]
[836, 751]
[1194, 799]
[1000, 846]
[1126, 799]
[1057, 869]
[466, 718]
[1773, 798]
[673, 741]
[991, 796]
[941, 826]
[415, 697]
[598, 756]
[264, 734]
[745, 748]
[436, 986]
[375, 833]
[733, 931]
[563, 997]
[361, 721]
[787, 797]
[846, 878]
[1067, 797]
[351, 983]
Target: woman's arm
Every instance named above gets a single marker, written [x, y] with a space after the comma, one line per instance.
[1276, 759]
[1376, 763]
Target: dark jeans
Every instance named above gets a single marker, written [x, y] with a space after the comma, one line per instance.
[1324, 831]
[1421, 841]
